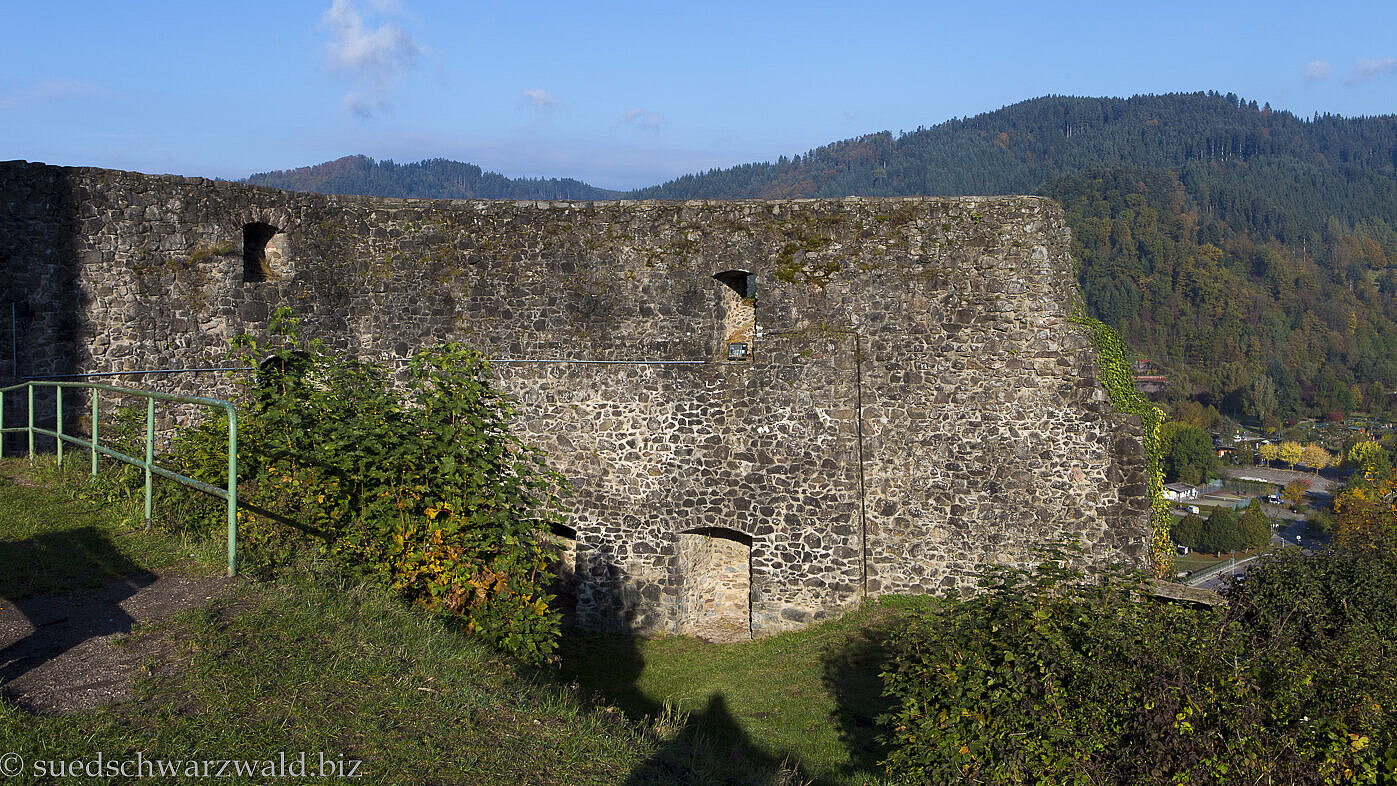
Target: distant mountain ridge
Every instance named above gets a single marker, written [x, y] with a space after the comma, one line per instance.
[1251, 253]
[1018, 148]
[436, 178]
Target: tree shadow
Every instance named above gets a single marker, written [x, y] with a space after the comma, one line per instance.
[853, 676]
[37, 624]
[707, 746]
[711, 747]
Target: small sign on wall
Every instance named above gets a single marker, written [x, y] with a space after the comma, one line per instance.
[737, 350]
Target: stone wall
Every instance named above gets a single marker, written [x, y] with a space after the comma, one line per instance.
[904, 402]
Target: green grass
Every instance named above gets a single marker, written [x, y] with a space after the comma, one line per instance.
[341, 668]
[1196, 561]
[57, 533]
[806, 699]
[317, 661]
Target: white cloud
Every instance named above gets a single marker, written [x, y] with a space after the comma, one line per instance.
[360, 105]
[371, 57]
[1368, 68]
[1316, 70]
[639, 118]
[537, 99]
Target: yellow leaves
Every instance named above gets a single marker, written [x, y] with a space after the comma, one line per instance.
[436, 510]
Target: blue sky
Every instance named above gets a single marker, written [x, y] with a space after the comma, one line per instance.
[624, 94]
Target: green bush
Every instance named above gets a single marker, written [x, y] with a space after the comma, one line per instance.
[1255, 528]
[1050, 678]
[423, 486]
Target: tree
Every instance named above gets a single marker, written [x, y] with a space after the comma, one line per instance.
[1269, 452]
[1291, 453]
[1315, 457]
[1190, 457]
[1366, 514]
[1255, 527]
[1368, 453]
[1221, 533]
[1187, 530]
[1259, 397]
[1294, 491]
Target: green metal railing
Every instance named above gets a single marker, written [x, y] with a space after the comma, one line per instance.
[148, 464]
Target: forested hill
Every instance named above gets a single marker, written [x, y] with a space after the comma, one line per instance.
[1251, 253]
[1020, 147]
[437, 178]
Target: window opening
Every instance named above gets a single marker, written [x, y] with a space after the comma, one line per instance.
[737, 318]
[261, 255]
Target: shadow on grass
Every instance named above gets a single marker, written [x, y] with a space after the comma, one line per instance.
[698, 747]
[852, 675]
[711, 745]
[37, 625]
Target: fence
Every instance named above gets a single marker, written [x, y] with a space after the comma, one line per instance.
[230, 494]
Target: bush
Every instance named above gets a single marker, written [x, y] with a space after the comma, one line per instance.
[424, 487]
[1051, 678]
[1255, 528]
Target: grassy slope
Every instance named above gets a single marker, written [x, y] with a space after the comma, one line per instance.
[53, 541]
[314, 663]
[808, 699]
[318, 662]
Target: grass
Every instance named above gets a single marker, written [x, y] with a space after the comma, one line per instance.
[1196, 561]
[321, 662]
[806, 699]
[52, 540]
[309, 665]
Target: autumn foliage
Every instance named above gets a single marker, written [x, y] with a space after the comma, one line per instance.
[1366, 513]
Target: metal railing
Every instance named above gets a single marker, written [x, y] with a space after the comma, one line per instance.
[148, 464]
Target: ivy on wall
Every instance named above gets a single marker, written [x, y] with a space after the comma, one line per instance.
[1113, 370]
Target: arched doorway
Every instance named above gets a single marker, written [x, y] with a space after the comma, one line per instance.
[715, 584]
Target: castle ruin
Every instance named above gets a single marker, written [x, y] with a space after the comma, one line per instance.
[767, 410]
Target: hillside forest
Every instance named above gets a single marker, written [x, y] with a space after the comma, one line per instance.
[1250, 254]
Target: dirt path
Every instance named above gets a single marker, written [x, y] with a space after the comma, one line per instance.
[69, 651]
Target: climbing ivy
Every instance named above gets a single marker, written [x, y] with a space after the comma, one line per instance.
[1115, 375]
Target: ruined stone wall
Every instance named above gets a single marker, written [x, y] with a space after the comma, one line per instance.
[912, 402]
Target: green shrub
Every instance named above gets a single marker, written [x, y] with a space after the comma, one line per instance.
[424, 486]
[1222, 533]
[1050, 678]
[1255, 528]
[1187, 530]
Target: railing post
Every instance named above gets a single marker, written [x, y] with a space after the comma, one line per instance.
[95, 393]
[58, 391]
[150, 451]
[232, 492]
[30, 388]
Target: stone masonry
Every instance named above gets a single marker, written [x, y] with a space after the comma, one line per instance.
[767, 410]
